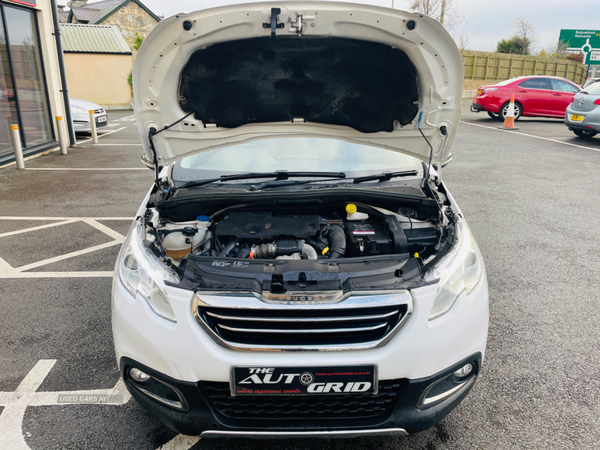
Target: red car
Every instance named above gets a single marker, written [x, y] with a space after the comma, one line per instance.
[534, 96]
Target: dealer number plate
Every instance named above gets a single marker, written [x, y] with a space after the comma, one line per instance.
[102, 119]
[577, 118]
[303, 380]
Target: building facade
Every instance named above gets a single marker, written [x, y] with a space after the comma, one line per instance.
[30, 89]
[130, 16]
[98, 62]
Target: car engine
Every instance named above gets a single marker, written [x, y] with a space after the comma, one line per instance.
[344, 232]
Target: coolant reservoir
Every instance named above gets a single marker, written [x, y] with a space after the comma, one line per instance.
[353, 214]
[181, 235]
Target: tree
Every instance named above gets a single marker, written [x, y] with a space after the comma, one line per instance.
[515, 45]
[137, 41]
[445, 11]
[462, 40]
[575, 57]
[526, 31]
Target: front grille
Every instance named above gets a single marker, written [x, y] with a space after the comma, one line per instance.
[291, 327]
[99, 111]
[306, 407]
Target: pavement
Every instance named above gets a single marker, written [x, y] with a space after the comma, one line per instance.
[530, 197]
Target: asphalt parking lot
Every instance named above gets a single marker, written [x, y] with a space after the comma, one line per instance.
[530, 197]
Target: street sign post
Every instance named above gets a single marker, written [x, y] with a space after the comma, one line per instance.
[587, 42]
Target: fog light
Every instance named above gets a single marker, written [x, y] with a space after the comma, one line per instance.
[464, 370]
[138, 375]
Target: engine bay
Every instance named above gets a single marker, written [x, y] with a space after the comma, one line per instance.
[330, 231]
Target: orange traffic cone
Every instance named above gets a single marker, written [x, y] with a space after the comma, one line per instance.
[509, 119]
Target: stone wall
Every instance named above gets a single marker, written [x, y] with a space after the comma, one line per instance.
[129, 19]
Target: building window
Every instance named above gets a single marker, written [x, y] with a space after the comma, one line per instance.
[24, 99]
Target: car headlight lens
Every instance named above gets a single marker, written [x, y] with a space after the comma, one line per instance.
[141, 273]
[461, 271]
[78, 110]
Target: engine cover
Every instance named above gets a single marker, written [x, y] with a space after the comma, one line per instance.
[259, 225]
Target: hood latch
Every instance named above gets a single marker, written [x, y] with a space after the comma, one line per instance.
[274, 19]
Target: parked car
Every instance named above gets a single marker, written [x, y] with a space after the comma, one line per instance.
[589, 81]
[299, 268]
[80, 113]
[583, 114]
[541, 96]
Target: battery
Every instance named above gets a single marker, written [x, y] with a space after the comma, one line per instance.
[367, 239]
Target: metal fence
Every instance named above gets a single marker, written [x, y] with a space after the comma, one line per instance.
[502, 66]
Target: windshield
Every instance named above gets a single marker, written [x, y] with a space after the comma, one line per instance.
[593, 89]
[293, 155]
[505, 82]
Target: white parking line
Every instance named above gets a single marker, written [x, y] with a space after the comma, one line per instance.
[45, 262]
[7, 271]
[90, 274]
[531, 135]
[40, 227]
[180, 442]
[27, 218]
[109, 169]
[109, 231]
[101, 135]
[15, 403]
[121, 145]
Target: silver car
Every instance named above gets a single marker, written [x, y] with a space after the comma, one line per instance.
[80, 111]
[583, 113]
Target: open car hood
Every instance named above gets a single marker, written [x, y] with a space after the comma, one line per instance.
[364, 74]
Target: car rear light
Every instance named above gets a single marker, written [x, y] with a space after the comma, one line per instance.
[597, 102]
[490, 90]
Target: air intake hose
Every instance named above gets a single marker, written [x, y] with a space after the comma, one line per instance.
[337, 242]
[277, 248]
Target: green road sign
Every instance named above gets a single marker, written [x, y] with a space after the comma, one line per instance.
[586, 42]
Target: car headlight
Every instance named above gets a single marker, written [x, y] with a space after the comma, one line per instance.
[78, 110]
[142, 274]
[460, 271]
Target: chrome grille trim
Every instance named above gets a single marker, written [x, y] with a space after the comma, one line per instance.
[315, 319]
[245, 305]
[323, 330]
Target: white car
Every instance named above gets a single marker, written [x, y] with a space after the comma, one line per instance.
[299, 268]
[80, 113]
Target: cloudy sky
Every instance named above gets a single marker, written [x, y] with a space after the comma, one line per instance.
[485, 21]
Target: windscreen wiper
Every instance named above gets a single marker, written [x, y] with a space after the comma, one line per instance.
[386, 176]
[380, 177]
[279, 175]
[276, 183]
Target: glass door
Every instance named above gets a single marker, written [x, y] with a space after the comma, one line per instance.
[28, 75]
[8, 101]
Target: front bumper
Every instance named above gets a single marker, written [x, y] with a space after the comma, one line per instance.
[184, 356]
[210, 411]
[81, 122]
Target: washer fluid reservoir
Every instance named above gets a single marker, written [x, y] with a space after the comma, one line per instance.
[178, 237]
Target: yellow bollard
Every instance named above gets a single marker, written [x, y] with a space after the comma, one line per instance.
[93, 125]
[16, 138]
[61, 135]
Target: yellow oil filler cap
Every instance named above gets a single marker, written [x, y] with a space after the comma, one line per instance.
[351, 208]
